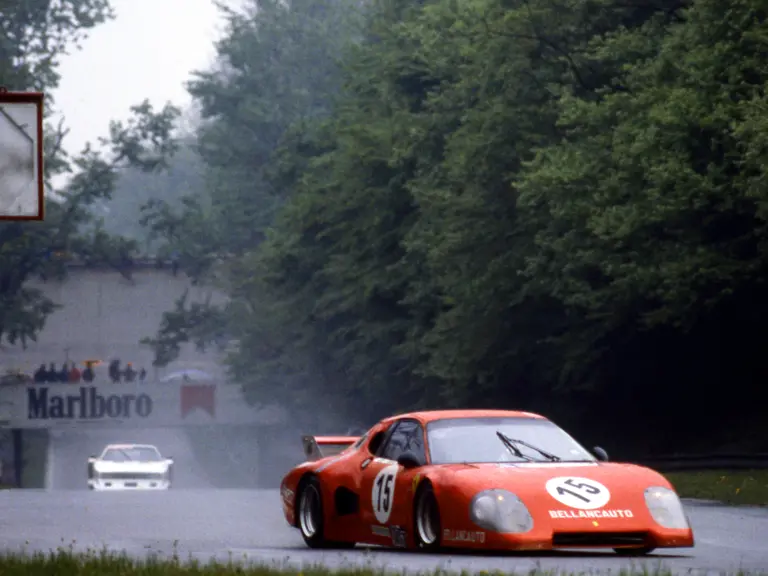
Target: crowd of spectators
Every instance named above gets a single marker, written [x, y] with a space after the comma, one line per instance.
[84, 372]
[70, 373]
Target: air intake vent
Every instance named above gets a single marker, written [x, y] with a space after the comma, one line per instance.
[599, 539]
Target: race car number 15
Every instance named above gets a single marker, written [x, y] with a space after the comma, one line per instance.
[383, 493]
[578, 492]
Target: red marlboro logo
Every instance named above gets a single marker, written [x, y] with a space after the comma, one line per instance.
[201, 396]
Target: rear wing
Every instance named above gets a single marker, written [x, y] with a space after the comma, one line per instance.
[316, 447]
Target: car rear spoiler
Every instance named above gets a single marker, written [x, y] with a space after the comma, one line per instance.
[316, 447]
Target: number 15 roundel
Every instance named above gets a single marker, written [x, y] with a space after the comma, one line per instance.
[383, 493]
[578, 492]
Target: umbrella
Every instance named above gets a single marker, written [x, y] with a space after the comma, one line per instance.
[190, 374]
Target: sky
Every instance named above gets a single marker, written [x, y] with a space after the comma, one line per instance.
[147, 51]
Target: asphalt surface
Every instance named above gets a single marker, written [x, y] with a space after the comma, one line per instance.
[247, 525]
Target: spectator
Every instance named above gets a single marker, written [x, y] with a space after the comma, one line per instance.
[142, 375]
[130, 373]
[88, 374]
[52, 373]
[114, 371]
[63, 375]
[41, 375]
[74, 374]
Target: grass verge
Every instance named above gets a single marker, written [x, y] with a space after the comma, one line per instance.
[66, 563]
[746, 487]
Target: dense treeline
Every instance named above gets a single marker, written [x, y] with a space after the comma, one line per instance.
[122, 214]
[556, 205]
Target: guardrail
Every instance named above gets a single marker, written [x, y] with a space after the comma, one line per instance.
[703, 462]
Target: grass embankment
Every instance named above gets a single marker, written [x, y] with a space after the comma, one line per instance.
[746, 487]
[64, 563]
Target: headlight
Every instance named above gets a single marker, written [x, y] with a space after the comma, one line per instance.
[666, 508]
[500, 511]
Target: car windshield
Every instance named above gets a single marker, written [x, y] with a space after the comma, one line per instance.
[132, 454]
[476, 440]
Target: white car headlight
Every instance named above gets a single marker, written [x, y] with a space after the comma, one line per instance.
[500, 511]
[666, 508]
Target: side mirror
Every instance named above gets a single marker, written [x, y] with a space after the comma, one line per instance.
[408, 460]
[601, 454]
[91, 457]
[169, 459]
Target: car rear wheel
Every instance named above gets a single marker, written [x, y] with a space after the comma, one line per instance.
[427, 519]
[634, 551]
[311, 517]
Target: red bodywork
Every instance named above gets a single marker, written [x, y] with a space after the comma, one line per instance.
[347, 481]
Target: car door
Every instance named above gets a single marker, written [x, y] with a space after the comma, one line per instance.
[387, 495]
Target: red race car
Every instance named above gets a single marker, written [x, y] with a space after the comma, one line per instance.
[479, 479]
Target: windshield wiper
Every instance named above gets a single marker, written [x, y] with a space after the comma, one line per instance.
[546, 455]
[511, 447]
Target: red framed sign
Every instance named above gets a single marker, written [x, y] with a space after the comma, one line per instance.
[22, 185]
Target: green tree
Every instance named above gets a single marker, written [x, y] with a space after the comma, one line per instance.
[649, 219]
[33, 37]
[135, 188]
[517, 204]
[278, 67]
[398, 258]
[277, 64]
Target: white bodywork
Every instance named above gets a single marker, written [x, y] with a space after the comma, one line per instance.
[129, 467]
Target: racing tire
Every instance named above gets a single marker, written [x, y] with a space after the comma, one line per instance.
[310, 516]
[426, 519]
[634, 551]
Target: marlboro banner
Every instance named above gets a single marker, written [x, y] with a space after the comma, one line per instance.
[142, 405]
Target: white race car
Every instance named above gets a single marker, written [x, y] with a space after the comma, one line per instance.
[129, 467]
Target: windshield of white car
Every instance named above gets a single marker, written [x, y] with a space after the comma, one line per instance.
[134, 454]
[475, 440]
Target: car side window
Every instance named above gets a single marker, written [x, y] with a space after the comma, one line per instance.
[374, 446]
[360, 441]
[407, 437]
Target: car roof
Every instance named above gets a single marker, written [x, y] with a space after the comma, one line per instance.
[427, 416]
[128, 446]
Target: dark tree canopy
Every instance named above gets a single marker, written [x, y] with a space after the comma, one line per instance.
[558, 206]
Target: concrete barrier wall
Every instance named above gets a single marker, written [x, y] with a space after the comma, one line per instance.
[104, 316]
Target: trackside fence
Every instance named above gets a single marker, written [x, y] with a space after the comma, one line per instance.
[704, 462]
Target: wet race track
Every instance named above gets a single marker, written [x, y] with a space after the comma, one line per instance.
[248, 525]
